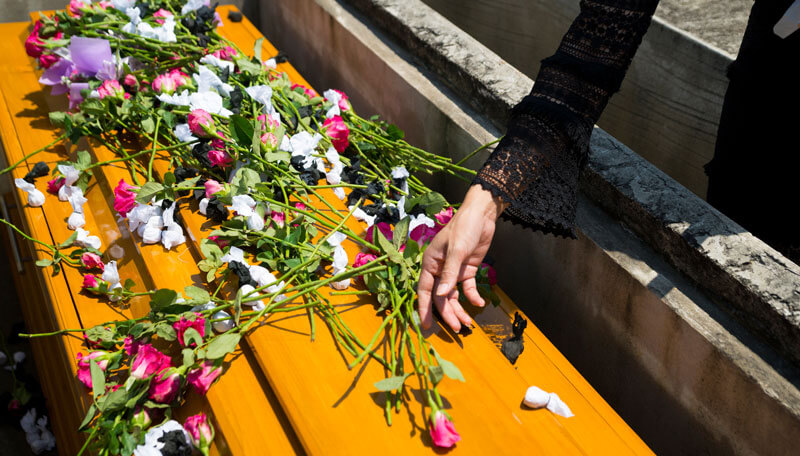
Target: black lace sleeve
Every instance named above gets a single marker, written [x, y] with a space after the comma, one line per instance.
[535, 168]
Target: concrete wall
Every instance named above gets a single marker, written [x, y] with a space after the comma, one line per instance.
[669, 105]
[683, 373]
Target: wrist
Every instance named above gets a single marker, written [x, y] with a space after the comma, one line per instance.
[491, 205]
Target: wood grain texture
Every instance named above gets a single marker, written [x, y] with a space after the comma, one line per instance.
[281, 393]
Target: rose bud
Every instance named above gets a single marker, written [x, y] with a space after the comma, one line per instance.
[148, 361]
[201, 123]
[84, 372]
[141, 418]
[164, 83]
[165, 386]
[91, 260]
[202, 379]
[200, 431]
[338, 132]
[443, 432]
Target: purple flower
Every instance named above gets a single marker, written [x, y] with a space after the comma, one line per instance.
[52, 76]
[88, 54]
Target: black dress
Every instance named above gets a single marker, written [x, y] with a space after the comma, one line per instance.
[536, 167]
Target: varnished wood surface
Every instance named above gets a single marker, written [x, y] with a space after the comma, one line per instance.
[282, 393]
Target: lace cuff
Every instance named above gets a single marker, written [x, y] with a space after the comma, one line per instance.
[536, 166]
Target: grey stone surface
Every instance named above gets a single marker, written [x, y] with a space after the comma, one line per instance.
[688, 377]
[718, 23]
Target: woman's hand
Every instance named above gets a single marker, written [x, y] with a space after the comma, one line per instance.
[454, 256]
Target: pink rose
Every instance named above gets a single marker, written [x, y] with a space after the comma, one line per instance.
[84, 372]
[110, 88]
[279, 218]
[200, 431]
[130, 81]
[48, 60]
[201, 123]
[165, 386]
[33, 44]
[148, 361]
[218, 143]
[443, 432]
[90, 281]
[422, 234]
[124, 198]
[363, 258]
[75, 7]
[212, 187]
[344, 104]
[180, 78]
[444, 216]
[161, 15]
[309, 93]
[268, 122]
[338, 132]
[221, 243]
[14, 405]
[199, 324]
[164, 83]
[219, 158]
[226, 53]
[91, 260]
[202, 379]
[131, 346]
[269, 140]
[53, 186]
[385, 228]
[300, 206]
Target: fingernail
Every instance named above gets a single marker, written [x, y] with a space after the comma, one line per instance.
[443, 289]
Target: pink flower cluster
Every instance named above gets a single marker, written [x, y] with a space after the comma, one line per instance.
[112, 88]
[34, 45]
[124, 198]
[170, 82]
[338, 132]
[198, 324]
[226, 53]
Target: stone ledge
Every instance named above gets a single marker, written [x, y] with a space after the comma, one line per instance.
[747, 277]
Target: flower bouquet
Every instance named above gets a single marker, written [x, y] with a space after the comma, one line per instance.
[263, 159]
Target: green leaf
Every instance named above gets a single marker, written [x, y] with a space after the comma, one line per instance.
[391, 383]
[257, 49]
[400, 233]
[166, 331]
[448, 367]
[188, 182]
[83, 161]
[93, 107]
[247, 66]
[163, 298]
[279, 156]
[129, 443]
[115, 400]
[149, 125]
[58, 118]
[395, 132]
[44, 263]
[237, 307]
[88, 418]
[169, 179]
[69, 241]
[241, 130]
[197, 295]
[244, 180]
[98, 379]
[192, 336]
[148, 191]
[437, 373]
[222, 345]
[388, 247]
[188, 356]
[129, 284]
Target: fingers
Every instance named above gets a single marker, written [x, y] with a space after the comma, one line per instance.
[471, 292]
[452, 266]
[447, 310]
[424, 289]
